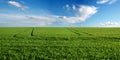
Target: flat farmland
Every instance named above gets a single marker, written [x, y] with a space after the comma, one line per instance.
[59, 43]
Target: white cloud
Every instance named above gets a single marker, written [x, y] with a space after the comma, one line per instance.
[109, 23]
[43, 20]
[32, 20]
[67, 6]
[102, 1]
[87, 11]
[14, 3]
[112, 1]
[73, 7]
[106, 1]
[70, 7]
[18, 5]
[83, 13]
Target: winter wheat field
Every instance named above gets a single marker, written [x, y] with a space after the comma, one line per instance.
[59, 43]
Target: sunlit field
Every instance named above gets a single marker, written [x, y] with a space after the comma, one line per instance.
[59, 43]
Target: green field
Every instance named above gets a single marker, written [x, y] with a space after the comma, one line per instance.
[59, 43]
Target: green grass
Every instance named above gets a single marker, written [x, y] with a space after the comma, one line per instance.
[59, 43]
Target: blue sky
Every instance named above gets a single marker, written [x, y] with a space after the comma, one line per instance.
[88, 13]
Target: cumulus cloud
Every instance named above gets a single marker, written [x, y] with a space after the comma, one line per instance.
[83, 13]
[109, 23]
[106, 1]
[87, 11]
[18, 5]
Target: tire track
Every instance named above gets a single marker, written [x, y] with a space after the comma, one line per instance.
[15, 35]
[74, 31]
[32, 32]
[78, 33]
[87, 33]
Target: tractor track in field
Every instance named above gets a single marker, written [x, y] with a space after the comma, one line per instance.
[87, 33]
[77, 33]
[74, 31]
[32, 32]
[15, 35]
